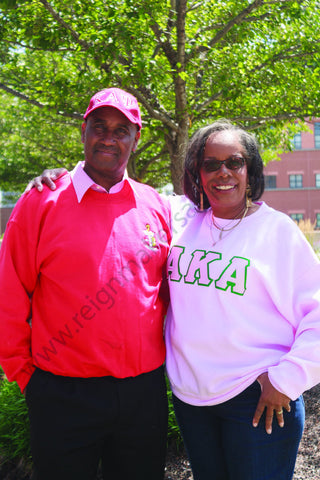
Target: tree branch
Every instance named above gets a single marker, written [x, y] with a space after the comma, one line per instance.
[165, 46]
[154, 113]
[272, 60]
[150, 103]
[37, 104]
[195, 7]
[181, 32]
[261, 121]
[37, 49]
[17, 94]
[226, 29]
[142, 171]
[171, 22]
[65, 25]
[285, 55]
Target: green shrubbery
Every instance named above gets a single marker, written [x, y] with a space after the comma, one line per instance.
[174, 436]
[14, 423]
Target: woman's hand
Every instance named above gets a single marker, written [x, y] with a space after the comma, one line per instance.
[272, 400]
[47, 177]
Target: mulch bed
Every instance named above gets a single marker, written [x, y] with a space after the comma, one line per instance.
[178, 468]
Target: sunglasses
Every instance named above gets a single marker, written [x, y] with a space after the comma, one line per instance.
[231, 163]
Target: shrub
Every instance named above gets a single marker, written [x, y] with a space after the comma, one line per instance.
[14, 422]
[308, 229]
[174, 435]
[311, 233]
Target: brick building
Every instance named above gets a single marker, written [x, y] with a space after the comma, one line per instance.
[293, 184]
[7, 202]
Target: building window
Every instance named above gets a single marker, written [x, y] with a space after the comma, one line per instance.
[317, 135]
[295, 181]
[297, 141]
[271, 181]
[296, 217]
[317, 180]
[317, 221]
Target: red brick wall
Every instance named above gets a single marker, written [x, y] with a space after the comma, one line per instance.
[305, 162]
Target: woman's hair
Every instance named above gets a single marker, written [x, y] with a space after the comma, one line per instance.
[194, 161]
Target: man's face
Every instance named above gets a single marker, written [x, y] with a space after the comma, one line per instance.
[109, 138]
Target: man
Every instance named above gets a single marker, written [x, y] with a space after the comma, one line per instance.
[81, 311]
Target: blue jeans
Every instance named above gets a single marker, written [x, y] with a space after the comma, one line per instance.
[222, 444]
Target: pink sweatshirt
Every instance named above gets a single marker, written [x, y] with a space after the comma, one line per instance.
[241, 306]
[80, 283]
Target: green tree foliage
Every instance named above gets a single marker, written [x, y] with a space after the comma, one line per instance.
[188, 62]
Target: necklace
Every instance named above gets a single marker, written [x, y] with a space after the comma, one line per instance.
[226, 228]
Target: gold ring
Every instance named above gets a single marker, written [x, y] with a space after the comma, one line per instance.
[280, 412]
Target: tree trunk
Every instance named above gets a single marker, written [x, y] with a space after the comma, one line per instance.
[179, 145]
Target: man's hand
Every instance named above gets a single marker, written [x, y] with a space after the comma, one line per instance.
[47, 177]
[273, 401]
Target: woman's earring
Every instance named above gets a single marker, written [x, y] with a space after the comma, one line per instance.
[248, 197]
[201, 200]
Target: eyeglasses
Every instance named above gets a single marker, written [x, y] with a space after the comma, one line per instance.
[232, 163]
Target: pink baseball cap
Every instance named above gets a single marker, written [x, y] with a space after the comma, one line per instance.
[119, 99]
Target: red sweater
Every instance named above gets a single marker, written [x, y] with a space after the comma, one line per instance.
[89, 274]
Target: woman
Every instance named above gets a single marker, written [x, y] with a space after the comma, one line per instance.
[243, 328]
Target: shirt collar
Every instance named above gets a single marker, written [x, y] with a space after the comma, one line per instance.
[82, 182]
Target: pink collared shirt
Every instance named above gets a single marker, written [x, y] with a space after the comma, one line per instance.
[82, 182]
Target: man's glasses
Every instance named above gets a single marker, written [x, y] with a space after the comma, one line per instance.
[232, 163]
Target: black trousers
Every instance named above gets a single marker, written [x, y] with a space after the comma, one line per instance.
[77, 423]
